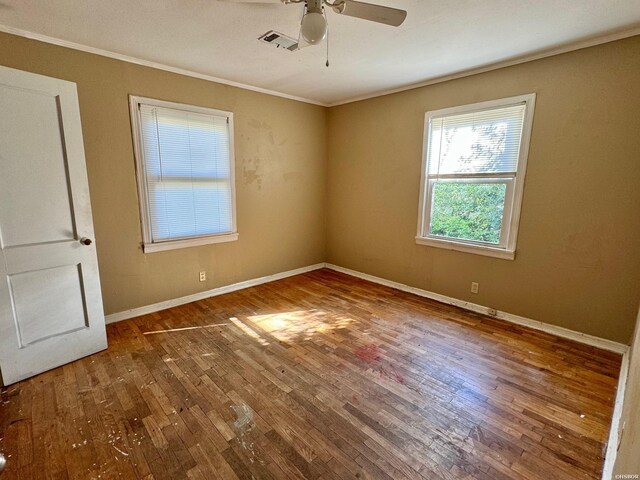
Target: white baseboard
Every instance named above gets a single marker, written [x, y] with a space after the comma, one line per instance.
[509, 317]
[614, 432]
[156, 307]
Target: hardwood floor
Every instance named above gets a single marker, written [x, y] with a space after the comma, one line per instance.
[316, 376]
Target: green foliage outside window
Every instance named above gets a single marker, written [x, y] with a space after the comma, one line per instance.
[468, 211]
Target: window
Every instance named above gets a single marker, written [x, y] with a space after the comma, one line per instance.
[473, 168]
[185, 169]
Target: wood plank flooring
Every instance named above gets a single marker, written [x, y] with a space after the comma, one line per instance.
[319, 376]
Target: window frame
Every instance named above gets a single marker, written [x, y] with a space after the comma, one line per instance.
[148, 245]
[506, 248]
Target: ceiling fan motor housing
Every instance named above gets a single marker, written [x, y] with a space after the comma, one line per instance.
[314, 6]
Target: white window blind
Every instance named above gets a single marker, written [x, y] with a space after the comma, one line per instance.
[486, 141]
[187, 172]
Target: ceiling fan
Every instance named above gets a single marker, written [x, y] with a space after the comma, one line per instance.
[313, 28]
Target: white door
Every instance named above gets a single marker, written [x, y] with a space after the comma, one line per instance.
[50, 302]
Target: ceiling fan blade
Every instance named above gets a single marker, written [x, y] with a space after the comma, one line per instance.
[374, 13]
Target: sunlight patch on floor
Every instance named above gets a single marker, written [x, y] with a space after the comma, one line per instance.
[249, 331]
[299, 324]
[172, 330]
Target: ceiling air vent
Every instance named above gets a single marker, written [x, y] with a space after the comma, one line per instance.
[279, 40]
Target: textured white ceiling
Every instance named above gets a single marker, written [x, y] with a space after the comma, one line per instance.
[219, 39]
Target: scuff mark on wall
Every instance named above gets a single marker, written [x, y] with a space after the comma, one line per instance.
[265, 129]
[252, 172]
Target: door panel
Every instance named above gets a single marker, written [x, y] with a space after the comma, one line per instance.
[42, 192]
[37, 318]
[50, 302]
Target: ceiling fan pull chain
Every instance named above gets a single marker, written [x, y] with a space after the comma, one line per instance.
[327, 64]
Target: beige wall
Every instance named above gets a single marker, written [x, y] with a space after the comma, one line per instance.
[628, 456]
[280, 171]
[578, 252]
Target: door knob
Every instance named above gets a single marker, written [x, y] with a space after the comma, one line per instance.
[86, 241]
[3, 462]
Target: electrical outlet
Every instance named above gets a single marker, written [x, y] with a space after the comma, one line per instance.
[203, 276]
[492, 311]
[475, 286]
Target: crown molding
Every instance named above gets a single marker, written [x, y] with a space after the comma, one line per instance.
[569, 47]
[146, 63]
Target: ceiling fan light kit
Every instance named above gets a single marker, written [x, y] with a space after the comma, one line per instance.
[313, 28]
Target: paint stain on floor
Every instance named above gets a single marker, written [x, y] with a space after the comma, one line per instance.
[368, 353]
[393, 374]
[244, 416]
[244, 426]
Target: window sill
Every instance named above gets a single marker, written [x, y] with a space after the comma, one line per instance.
[467, 248]
[189, 242]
